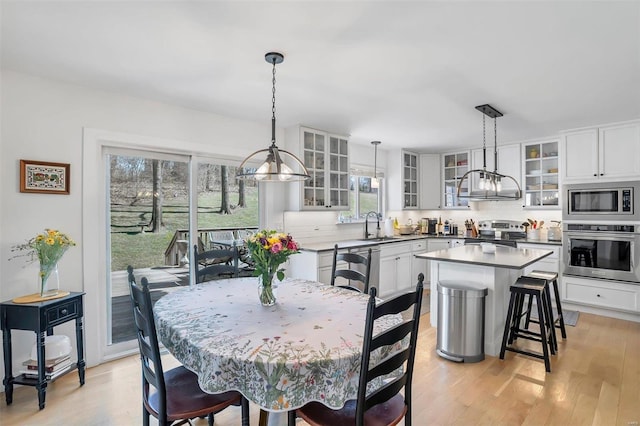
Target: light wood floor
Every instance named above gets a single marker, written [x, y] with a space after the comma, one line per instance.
[595, 379]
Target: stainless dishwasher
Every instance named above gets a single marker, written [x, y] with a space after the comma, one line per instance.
[374, 273]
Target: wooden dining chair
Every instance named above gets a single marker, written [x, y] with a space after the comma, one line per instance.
[357, 279]
[177, 395]
[215, 264]
[385, 405]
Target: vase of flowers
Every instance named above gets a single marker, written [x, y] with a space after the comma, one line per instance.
[269, 249]
[49, 248]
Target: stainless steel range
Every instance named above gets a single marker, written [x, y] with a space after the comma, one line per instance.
[502, 232]
[606, 251]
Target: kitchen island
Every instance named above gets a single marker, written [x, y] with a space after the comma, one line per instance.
[496, 271]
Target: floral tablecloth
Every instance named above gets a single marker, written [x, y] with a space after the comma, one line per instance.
[305, 348]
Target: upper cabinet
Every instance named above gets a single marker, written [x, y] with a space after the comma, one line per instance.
[604, 153]
[326, 157]
[454, 166]
[410, 180]
[540, 170]
[429, 183]
[508, 164]
[403, 180]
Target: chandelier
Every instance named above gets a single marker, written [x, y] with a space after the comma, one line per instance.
[490, 183]
[273, 168]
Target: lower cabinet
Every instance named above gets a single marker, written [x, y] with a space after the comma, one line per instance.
[395, 268]
[433, 244]
[614, 295]
[418, 265]
[311, 265]
[550, 263]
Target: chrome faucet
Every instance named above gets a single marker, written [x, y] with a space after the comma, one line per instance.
[366, 224]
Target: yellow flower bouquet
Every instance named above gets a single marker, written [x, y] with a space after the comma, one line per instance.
[49, 248]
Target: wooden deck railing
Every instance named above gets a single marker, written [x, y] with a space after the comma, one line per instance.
[174, 253]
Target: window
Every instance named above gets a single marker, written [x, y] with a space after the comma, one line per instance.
[363, 197]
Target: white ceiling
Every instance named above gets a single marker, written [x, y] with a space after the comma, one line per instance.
[406, 73]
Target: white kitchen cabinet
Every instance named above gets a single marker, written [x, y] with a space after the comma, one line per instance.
[454, 166]
[508, 164]
[326, 157]
[605, 153]
[606, 294]
[311, 265]
[429, 183]
[434, 244]
[395, 268]
[550, 263]
[418, 265]
[540, 175]
[456, 242]
[403, 185]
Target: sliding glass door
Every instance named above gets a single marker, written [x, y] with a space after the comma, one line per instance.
[148, 221]
[148, 203]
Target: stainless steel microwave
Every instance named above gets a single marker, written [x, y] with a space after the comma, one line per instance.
[602, 201]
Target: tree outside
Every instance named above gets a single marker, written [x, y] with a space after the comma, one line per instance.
[149, 202]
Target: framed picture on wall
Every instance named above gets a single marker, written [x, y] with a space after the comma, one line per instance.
[44, 177]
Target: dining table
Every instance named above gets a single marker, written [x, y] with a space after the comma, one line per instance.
[307, 347]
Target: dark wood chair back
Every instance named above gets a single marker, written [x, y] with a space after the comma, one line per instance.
[152, 372]
[177, 395]
[384, 405]
[394, 335]
[216, 263]
[361, 279]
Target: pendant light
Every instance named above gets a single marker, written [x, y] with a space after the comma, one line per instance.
[490, 183]
[375, 183]
[273, 169]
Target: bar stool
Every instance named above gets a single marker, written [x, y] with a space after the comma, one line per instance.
[533, 288]
[552, 278]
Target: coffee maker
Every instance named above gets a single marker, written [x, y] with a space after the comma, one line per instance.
[428, 226]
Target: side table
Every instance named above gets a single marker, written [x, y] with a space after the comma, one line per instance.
[40, 317]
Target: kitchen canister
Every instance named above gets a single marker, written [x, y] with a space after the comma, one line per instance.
[533, 234]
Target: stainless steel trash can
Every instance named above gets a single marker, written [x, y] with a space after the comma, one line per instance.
[461, 310]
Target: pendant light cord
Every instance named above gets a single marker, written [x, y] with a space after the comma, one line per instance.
[495, 144]
[273, 104]
[484, 144]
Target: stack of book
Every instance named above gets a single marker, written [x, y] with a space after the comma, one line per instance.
[52, 367]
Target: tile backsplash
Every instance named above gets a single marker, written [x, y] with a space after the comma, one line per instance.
[322, 226]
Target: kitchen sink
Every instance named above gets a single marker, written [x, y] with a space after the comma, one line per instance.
[379, 239]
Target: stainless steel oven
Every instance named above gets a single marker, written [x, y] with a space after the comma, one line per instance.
[602, 251]
[610, 201]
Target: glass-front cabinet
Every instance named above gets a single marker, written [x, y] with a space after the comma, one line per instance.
[327, 160]
[410, 180]
[454, 166]
[541, 186]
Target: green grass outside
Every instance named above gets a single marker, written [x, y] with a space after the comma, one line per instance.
[147, 249]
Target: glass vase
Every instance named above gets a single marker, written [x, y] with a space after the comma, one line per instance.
[49, 280]
[266, 291]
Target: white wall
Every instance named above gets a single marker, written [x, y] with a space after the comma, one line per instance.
[44, 120]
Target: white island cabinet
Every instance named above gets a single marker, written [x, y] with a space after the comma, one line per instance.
[495, 271]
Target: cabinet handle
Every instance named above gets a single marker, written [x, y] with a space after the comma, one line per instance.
[595, 174]
[601, 174]
[64, 311]
[597, 295]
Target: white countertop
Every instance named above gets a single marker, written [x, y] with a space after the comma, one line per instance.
[504, 257]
